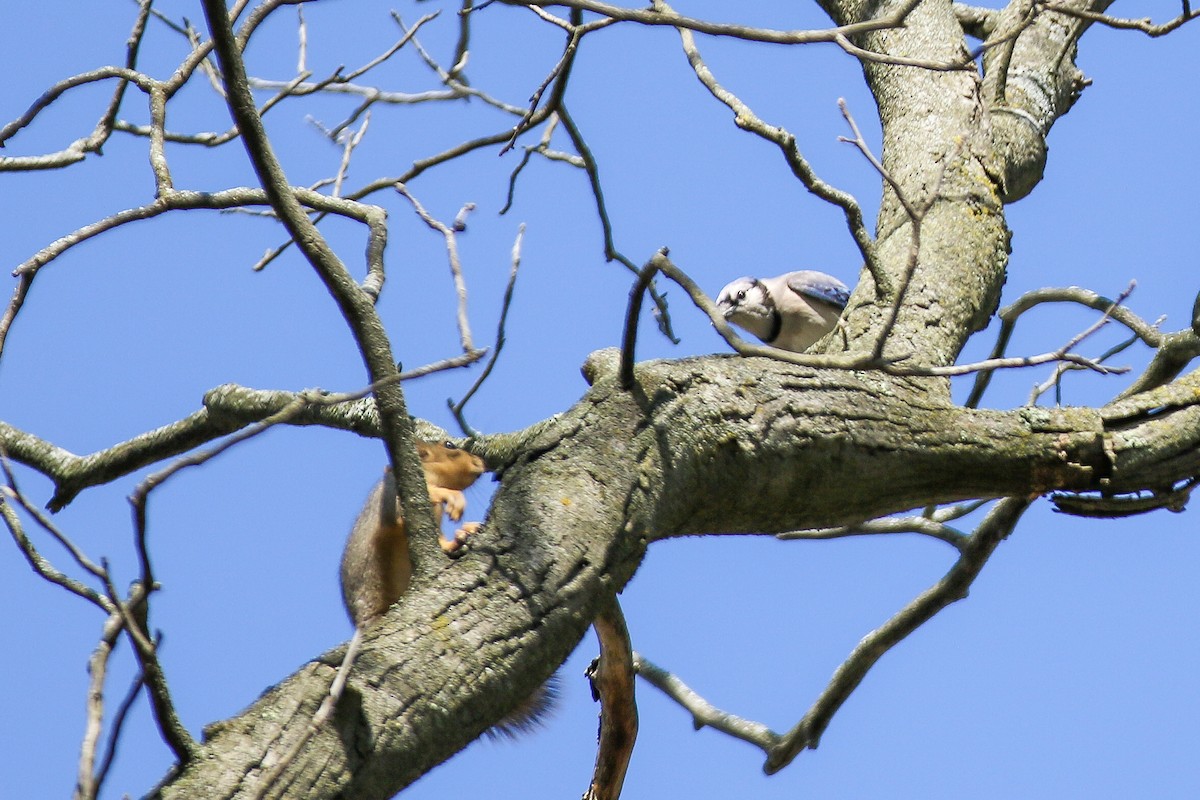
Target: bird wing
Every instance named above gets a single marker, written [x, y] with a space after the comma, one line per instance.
[819, 286]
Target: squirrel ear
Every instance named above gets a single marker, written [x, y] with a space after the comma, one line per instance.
[422, 449]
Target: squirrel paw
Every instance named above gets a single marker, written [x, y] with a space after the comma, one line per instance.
[449, 501]
[461, 535]
[450, 546]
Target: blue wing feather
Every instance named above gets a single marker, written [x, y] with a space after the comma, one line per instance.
[819, 286]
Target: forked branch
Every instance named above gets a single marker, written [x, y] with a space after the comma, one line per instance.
[781, 749]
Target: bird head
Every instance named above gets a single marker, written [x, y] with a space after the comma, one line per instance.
[745, 299]
[747, 303]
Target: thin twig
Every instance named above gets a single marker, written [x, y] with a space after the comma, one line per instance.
[133, 45]
[559, 74]
[462, 46]
[1145, 25]
[1009, 315]
[272, 771]
[998, 524]
[14, 493]
[883, 526]
[632, 312]
[39, 563]
[115, 728]
[745, 118]
[374, 217]
[460, 285]
[704, 714]
[166, 717]
[20, 292]
[348, 147]
[89, 780]
[301, 40]
[916, 216]
[457, 408]
[452, 80]
[591, 167]
[542, 148]
[1062, 367]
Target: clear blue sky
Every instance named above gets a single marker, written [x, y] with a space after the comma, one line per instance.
[1070, 670]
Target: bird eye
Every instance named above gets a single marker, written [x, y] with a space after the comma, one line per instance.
[741, 295]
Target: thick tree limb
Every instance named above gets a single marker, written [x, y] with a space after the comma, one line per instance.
[582, 497]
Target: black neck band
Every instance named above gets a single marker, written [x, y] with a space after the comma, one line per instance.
[776, 318]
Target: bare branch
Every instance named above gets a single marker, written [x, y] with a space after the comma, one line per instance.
[373, 217]
[340, 82]
[1172, 498]
[1072, 294]
[301, 40]
[704, 714]
[105, 127]
[133, 613]
[543, 149]
[460, 285]
[78, 149]
[1060, 369]
[1145, 25]
[559, 74]
[457, 408]
[982, 543]
[462, 46]
[663, 15]
[12, 492]
[886, 526]
[14, 307]
[227, 409]
[347, 151]
[632, 313]
[747, 120]
[115, 728]
[1062, 354]
[612, 679]
[662, 315]
[1175, 352]
[916, 216]
[1026, 10]
[88, 781]
[451, 78]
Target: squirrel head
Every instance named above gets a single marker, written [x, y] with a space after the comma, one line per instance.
[448, 466]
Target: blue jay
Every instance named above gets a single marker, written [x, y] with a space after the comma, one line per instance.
[791, 311]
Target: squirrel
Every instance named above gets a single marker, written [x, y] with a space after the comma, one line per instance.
[376, 568]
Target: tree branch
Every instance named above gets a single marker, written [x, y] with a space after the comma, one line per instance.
[951, 588]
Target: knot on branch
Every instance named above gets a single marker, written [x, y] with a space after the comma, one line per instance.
[601, 364]
[1020, 143]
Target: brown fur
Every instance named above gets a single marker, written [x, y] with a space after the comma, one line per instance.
[376, 568]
